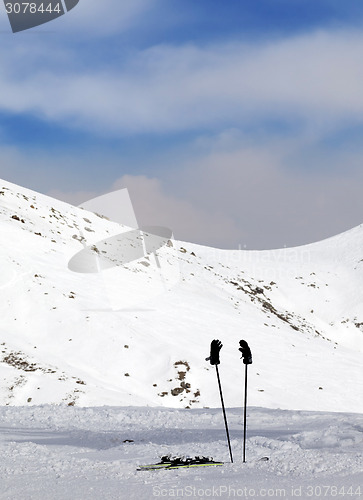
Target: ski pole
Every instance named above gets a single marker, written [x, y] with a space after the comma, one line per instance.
[245, 418]
[215, 347]
[247, 360]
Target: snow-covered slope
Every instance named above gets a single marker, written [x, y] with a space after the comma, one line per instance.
[139, 334]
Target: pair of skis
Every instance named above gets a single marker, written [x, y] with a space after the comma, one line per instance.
[215, 347]
[169, 462]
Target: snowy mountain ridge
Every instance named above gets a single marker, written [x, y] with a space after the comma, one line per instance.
[138, 334]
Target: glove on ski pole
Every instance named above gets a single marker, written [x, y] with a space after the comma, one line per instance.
[215, 347]
[246, 352]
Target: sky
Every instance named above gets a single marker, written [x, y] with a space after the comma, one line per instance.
[237, 124]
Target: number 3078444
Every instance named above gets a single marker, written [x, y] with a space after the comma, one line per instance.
[32, 8]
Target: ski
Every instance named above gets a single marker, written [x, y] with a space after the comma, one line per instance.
[180, 463]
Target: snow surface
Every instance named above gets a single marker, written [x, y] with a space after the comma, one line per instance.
[89, 361]
[62, 452]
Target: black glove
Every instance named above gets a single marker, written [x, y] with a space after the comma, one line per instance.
[246, 352]
[215, 347]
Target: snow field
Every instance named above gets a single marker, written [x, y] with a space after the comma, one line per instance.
[91, 453]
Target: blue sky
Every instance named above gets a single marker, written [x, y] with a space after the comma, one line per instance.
[235, 123]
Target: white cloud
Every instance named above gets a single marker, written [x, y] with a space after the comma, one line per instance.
[189, 221]
[248, 196]
[315, 77]
[225, 192]
[228, 191]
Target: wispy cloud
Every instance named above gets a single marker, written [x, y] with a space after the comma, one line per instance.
[246, 128]
[248, 197]
[316, 78]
